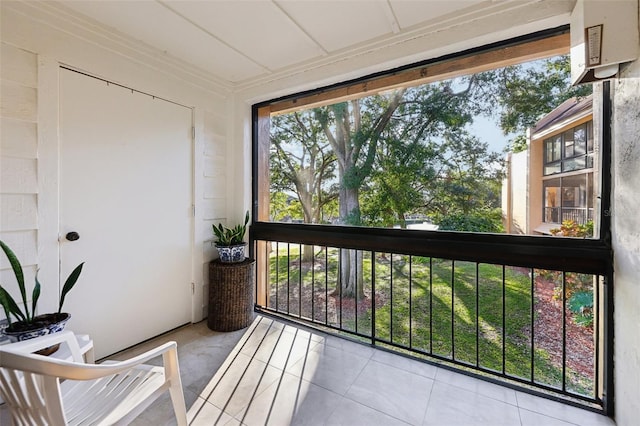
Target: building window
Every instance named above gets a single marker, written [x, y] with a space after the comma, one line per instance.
[569, 198]
[570, 150]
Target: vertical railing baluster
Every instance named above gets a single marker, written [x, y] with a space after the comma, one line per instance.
[391, 298]
[596, 329]
[313, 283]
[477, 314]
[299, 280]
[288, 278]
[533, 325]
[564, 331]
[410, 302]
[373, 297]
[267, 279]
[326, 285]
[453, 309]
[277, 275]
[504, 320]
[357, 291]
[431, 305]
[341, 284]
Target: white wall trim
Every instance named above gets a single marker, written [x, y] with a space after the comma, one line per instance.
[199, 267]
[48, 182]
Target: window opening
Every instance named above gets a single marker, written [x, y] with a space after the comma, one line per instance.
[373, 160]
[433, 153]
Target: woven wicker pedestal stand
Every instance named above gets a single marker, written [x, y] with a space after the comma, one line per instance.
[231, 295]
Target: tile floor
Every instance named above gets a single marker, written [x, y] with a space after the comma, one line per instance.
[277, 374]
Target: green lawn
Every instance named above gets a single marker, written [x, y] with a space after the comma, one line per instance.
[487, 318]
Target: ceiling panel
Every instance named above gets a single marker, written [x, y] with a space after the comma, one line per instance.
[339, 24]
[155, 25]
[237, 40]
[411, 13]
[257, 28]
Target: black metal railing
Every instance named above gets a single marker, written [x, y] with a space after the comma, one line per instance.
[524, 322]
[560, 214]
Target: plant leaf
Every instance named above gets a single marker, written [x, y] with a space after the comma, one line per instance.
[7, 314]
[35, 296]
[217, 232]
[579, 300]
[10, 305]
[17, 271]
[69, 283]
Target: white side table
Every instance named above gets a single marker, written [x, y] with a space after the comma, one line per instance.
[86, 349]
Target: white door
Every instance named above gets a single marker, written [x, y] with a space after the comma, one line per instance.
[126, 190]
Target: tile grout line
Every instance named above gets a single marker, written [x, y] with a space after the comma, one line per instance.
[426, 411]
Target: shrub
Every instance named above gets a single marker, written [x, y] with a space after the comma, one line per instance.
[485, 221]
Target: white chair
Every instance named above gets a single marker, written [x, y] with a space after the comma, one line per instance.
[41, 390]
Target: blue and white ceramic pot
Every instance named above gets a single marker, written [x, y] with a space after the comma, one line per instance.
[231, 254]
[42, 324]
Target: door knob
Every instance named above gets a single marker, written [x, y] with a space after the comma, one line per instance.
[72, 236]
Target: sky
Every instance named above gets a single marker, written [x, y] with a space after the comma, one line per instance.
[488, 131]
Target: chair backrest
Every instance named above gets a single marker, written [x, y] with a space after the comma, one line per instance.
[41, 390]
[34, 398]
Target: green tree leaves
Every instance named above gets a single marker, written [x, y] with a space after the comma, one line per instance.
[409, 151]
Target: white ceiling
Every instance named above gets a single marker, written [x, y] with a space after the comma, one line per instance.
[240, 40]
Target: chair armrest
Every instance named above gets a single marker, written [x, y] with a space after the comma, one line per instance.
[39, 364]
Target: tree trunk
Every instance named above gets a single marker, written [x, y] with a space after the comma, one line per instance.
[307, 253]
[351, 262]
[351, 282]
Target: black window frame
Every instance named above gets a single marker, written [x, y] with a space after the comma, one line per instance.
[592, 256]
[565, 158]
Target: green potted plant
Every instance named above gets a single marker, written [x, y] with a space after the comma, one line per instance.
[27, 324]
[230, 241]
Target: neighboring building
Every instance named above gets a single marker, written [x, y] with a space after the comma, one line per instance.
[556, 178]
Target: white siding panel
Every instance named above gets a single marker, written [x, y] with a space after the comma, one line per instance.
[10, 284]
[18, 101]
[18, 138]
[19, 212]
[18, 66]
[18, 176]
[23, 244]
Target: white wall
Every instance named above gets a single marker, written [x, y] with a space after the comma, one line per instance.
[18, 161]
[625, 210]
[31, 55]
[520, 188]
[515, 193]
